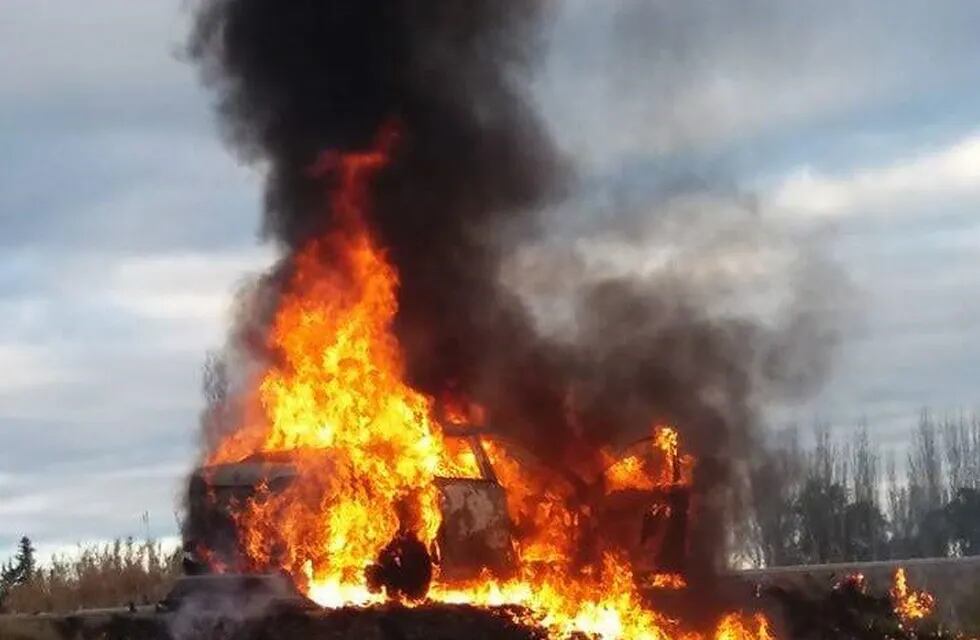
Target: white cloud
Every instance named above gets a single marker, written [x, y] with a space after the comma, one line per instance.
[29, 367]
[916, 269]
[94, 499]
[927, 182]
[117, 343]
[648, 78]
[26, 504]
[188, 287]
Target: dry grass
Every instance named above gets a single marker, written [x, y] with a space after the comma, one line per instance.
[108, 575]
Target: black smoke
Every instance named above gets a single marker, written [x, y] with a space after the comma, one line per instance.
[471, 165]
[472, 168]
[297, 78]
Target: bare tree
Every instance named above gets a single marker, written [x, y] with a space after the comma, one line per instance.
[865, 463]
[927, 490]
[822, 502]
[926, 466]
[961, 447]
[961, 437]
[776, 485]
[899, 513]
[865, 525]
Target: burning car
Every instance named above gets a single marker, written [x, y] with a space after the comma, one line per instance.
[340, 474]
[475, 533]
[476, 536]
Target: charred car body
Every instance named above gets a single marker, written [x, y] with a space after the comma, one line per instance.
[477, 533]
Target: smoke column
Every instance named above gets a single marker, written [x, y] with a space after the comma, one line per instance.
[472, 168]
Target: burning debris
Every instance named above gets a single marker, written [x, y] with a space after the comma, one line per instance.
[851, 610]
[910, 605]
[395, 426]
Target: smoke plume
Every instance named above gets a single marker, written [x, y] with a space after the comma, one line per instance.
[472, 169]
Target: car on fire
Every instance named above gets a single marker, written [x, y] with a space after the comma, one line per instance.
[477, 532]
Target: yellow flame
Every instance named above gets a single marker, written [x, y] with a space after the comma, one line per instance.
[910, 605]
[659, 465]
[740, 627]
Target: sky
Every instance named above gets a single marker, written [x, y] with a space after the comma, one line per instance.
[850, 128]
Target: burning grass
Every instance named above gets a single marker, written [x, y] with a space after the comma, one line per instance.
[910, 605]
[851, 610]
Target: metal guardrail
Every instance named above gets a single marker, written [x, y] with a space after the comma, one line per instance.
[860, 567]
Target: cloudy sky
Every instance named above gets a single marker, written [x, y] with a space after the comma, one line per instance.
[126, 224]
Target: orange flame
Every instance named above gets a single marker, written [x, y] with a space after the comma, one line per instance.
[910, 605]
[737, 627]
[368, 448]
[666, 581]
[336, 399]
[658, 466]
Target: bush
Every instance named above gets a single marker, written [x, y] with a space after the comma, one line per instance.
[107, 575]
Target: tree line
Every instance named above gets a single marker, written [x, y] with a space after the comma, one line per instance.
[109, 574]
[844, 501]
